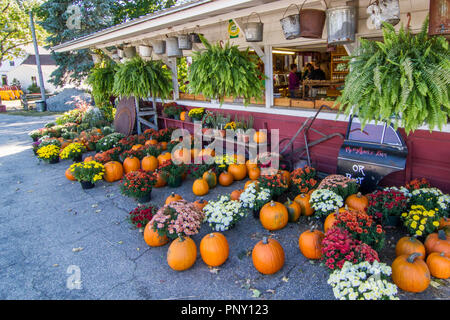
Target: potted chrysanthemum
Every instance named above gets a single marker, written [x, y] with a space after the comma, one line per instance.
[88, 173]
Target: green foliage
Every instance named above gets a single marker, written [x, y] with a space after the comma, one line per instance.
[34, 88]
[108, 141]
[94, 118]
[219, 72]
[141, 79]
[403, 80]
[182, 71]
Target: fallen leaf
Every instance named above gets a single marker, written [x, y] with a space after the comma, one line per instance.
[99, 210]
[271, 291]
[312, 262]
[435, 284]
[285, 279]
[138, 249]
[214, 270]
[120, 242]
[17, 189]
[256, 293]
[55, 265]
[30, 191]
[94, 205]
[77, 249]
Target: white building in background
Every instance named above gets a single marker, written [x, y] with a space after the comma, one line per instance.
[24, 69]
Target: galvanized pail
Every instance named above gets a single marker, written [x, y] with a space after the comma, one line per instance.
[383, 11]
[254, 30]
[41, 106]
[129, 52]
[291, 24]
[184, 42]
[145, 51]
[341, 25]
[159, 46]
[172, 47]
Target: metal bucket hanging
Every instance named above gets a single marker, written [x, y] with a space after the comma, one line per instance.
[172, 47]
[184, 42]
[195, 37]
[291, 24]
[145, 51]
[159, 46]
[129, 52]
[383, 11]
[120, 52]
[254, 30]
[341, 25]
[312, 22]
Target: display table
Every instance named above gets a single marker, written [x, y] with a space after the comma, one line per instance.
[320, 83]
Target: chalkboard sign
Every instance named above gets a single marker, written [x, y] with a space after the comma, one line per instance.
[371, 154]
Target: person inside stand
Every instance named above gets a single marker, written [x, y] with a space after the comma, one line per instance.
[308, 71]
[294, 81]
[318, 74]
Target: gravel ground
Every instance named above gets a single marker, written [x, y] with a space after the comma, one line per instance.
[44, 217]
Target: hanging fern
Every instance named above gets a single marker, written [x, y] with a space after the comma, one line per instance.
[219, 72]
[403, 80]
[141, 79]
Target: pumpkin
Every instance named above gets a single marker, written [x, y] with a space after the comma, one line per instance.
[149, 163]
[408, 246]
[294, 210]
[357, 202]
[303, 201]
[200, 204]
[136, 147]
[200, 187]
[329, 221]
[254, 173]
[438, 242]
[152, 237]
[236, 195]
[164, 157]
[161, 180]
[163, 145]
[151, 142]
[251, 164]
[439, 265]
[310, 244]
[260, 137]
[194, 153]
[65, 143]
[69, 175]
[88, 159]
[173, 197]
[182, 155]
[131, 164]
[182, 254]
[444, 222]
[211, 178]
[273, 216]
[410, 274]
[226, 179]
[207, 152]
[249, 182]
[239, 171]
[268, 256]
[214, 249]
[113, 171]
[286, 175]
[183, 116]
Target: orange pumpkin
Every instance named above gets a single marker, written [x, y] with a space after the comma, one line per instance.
[236, 195]
[131, 164]
[173, 197]
[182, 254]
[249, 182]
[226, 179]
[194, 153]
[286, 175]
[149, 163]
[152, 237]
[163, 145]
[239, 158]
[254, 173]
[161, 180]
[211, 178]
[439, 265]
[207, 152]
[200, 187]
[357, 202]
[214, 249]
[164, 157]
[260, 137]
[69, 175]
[273, 216]
[268, 256]
[438, 242]
[151, 142]
[136, 147]
[294, 210]
[239, 171]
[88, 159]
[113, 171]
[251, 164]
[310, 244]
[200, 204]
[410, 274]
[65, 143]
[183, 116]
[408, 246]
[303, 201]
[182, 155]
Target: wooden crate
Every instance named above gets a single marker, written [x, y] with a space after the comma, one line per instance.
[330, 104]
[282, 102]
[228, 99]
[306, 104]
[200, 97]
[186, 96]
[255, 101]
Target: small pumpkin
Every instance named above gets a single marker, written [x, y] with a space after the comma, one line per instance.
[163, 145]
[410, 273]
[273, 216]
[214, 249]
[438, 242]
[182, 156]
[249, 182]
[69, 175]
[113, 171]
[151, 142]
[164, 157]
[200, 204]
[152, 237]
[239, 171]
[207, 152]
[161, 180]
[131, 164]
[136, 147]
[236, 194]
[329, 221]
[268, 256]
[286, 175]
[408, 246]
[310, 244]
[149, 163]
[254, 173]
[294, 210]
[357, 202]
[226, 179]
[200, 187]
[88, 159]
[211, 178]
[260, 137]
[439, 265]
[251, 164]
[303, 201]
[183, 116]
[182, 254]
[173, 197]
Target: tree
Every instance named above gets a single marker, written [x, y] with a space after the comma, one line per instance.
[127, 10]
[14, 28]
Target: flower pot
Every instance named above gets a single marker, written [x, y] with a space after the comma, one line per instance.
[87, 185]
[53, 161]
[175, 182]
[35, 139]
[78, 158]
[145, 198]
[392, 221]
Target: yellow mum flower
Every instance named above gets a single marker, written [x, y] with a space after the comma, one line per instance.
[419, 233]
[414, 225]
[436, 223]
[421, 228]
[416, 217]
[404, 214]
[423, 221]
